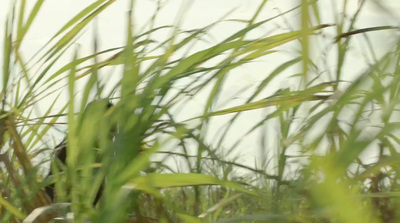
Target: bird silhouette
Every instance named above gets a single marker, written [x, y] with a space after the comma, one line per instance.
[60, 157]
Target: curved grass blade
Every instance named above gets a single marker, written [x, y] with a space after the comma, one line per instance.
[162, 181]
[290, 101]
[365, 30]
[11, 208]
[24, 27]
[70, 35]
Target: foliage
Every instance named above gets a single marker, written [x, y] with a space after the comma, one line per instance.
[325, 125]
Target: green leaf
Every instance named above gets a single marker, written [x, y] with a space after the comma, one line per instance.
[288, 101]
[11, 208]
[162, 181]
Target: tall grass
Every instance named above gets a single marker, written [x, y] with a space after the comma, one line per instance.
[313, 138]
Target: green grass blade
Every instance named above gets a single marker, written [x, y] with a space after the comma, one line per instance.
[11, 208]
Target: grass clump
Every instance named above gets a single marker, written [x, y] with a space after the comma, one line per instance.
[315, 138]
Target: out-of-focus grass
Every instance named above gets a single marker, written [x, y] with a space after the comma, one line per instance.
[330, 123]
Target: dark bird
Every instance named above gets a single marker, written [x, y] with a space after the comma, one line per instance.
[60, 157]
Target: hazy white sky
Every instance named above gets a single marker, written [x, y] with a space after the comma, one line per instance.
[55, 13]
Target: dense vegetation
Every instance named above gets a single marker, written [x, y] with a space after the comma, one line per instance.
[327, 144]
